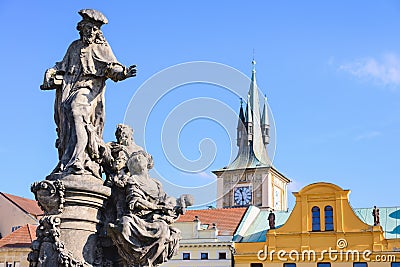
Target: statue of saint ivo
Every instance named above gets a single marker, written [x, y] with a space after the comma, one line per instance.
[79, 80]
[125, 221]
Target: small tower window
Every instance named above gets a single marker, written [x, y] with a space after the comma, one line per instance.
[186, 256]
[328, 218]
[250, 129]
[204, 255]
[316, 222]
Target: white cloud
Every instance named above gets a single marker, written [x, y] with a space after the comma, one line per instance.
[385, 70]
[368, 135]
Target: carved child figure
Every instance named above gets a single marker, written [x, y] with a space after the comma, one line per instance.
[118, 173]
[143, 234]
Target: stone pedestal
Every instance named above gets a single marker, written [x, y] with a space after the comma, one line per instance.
[85, 198]
[73, 206]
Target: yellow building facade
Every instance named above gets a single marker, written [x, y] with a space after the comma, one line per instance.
[322, 231]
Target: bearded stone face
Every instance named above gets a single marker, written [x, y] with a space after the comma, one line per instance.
[89, 35]
[89, 32]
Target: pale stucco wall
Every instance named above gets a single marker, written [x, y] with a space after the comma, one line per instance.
[11, 215]
[195, 257]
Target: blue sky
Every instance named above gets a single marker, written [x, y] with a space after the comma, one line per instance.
[331, 72]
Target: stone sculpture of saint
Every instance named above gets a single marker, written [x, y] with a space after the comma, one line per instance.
[79, 80]
[142, 234]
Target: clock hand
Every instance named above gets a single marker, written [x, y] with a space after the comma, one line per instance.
[241, 193]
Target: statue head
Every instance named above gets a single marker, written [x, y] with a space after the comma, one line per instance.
[186, 200]
[120, 160]
[139, 161]
[89, 26]
[124, 134]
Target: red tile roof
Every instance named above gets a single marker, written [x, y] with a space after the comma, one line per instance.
[28, 205]
[227, 220]
[21, 237]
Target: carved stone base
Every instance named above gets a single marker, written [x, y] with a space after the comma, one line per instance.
[75, 236]
[85, 198]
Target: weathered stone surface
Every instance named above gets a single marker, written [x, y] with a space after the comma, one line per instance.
[82, 215]
[69, 234]
[79, 81]
[124, 221]
[49, 195]
[142, 231]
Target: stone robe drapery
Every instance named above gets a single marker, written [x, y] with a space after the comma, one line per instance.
[142, 237]
[79, 105]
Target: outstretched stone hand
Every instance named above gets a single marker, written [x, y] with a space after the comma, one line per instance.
[131, 71]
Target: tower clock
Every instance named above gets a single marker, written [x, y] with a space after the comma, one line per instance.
[243, 196]
[251, 178]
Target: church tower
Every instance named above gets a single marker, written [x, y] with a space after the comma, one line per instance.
[251, 179]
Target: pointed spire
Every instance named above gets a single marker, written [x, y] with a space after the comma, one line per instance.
[253, 72]
[241, 114]
[249, 110]
[265, 123]
[264, 116]
[241, 128]
[254, 136]
[254, 105]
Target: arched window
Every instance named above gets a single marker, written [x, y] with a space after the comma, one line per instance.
[328, 218]
[316, 222]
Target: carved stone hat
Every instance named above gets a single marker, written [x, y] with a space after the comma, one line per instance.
[93, 15]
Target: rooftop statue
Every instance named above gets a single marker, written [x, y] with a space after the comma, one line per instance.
[79, 80]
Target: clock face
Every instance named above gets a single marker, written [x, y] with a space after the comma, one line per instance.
[242, 195]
